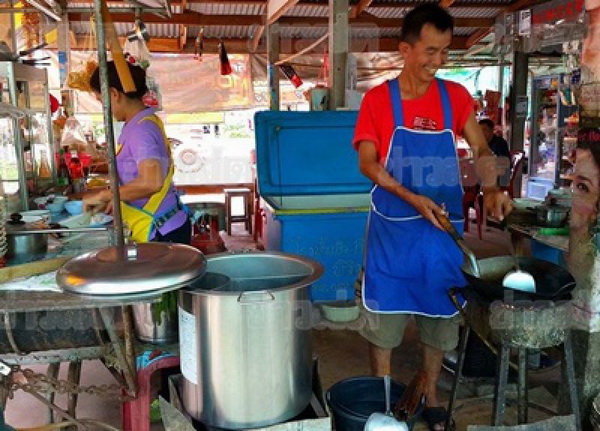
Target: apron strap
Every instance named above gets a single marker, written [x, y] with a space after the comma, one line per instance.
[395, 95]
[447, 108]
[394, 88]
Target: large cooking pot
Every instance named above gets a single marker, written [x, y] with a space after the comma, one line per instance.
[552, 281]
[21, 241]
[245, 344]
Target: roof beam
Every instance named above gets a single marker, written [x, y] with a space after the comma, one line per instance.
[288, 46]
[477, 36]
[277, 8]
[256, 38]
[195, 18]
[359, 8]
[308, 3]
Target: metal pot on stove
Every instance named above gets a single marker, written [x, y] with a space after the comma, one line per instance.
[552, 214]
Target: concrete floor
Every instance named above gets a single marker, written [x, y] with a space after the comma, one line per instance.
[342, 353]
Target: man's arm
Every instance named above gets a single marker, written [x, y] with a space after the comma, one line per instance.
[496, 202]
[372, 169]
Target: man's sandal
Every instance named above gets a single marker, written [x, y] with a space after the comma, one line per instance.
[437, 416]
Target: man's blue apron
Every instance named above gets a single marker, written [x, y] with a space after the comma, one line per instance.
[409, 263]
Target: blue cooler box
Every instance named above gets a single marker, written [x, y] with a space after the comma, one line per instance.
[314, 197]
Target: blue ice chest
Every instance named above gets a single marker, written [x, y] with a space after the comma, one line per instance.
[315, 198]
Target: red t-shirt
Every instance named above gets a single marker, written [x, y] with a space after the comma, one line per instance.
[376, 120]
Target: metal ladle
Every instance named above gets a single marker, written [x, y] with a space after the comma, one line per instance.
[518, 279]
[385, 421]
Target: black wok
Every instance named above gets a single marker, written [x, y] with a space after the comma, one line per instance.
[552, 282]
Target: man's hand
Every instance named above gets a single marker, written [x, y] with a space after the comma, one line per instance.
[497, 203]
[427, 208]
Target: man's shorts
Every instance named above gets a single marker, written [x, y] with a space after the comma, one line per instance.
[386, 330]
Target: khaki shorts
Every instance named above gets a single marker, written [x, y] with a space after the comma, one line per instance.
[386, 330]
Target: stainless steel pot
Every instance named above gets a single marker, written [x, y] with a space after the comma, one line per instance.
[154, 329]
[245, 345]
[552, 215]
[22, 241]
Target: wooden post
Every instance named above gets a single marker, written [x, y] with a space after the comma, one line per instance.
[273, 40]
[117, 52]
[517, 122]
[338, 52]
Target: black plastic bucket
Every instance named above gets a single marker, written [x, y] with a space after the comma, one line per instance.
[352, 401]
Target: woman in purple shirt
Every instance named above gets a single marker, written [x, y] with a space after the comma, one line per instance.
[149, 203]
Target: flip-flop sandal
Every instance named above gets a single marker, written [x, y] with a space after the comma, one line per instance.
[437, 416]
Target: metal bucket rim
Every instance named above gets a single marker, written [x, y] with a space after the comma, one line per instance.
[307, 281]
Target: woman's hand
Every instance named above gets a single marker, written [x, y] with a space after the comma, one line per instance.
[98, 202]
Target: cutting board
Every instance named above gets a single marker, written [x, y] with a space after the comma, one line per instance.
[33, 268]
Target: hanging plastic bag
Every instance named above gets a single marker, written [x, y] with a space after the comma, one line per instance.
[153, 97]
[139, 51]
[138, 54]
[80, 74]
[73, 137]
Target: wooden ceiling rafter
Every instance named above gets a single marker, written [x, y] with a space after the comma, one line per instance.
[288, 46]
[476, 37]
[195, 18]
[277, 8]
[358, 9]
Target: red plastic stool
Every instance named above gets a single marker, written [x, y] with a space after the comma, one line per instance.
[136, 413]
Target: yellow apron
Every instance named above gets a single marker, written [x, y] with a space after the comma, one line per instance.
[141, 220]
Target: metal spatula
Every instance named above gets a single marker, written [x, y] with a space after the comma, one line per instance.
[459, 240]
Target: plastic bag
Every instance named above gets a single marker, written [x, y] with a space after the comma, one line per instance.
[80, 74]
[73, 136]
[139, 51]
[152, 98]
[79, 79]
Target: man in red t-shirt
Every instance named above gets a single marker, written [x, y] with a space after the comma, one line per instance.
[405, 136]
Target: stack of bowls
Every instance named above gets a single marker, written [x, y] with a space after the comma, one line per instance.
[3, 244]
[595, 414]
[74, 207]
[55, 204]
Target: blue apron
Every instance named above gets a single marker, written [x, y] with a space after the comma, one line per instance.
[409, 263]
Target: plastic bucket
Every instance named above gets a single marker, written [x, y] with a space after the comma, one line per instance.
[352, 401]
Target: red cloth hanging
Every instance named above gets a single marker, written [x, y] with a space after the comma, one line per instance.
[224, 60]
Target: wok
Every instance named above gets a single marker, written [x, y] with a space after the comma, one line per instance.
[552, 281]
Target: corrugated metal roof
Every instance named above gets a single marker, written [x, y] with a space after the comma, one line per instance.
[227, 9]
[465, 31]
[374, 32]
[485, 9]
[466, 12]
[227, 32]
[311, 11]
[392, 2]
[456, 12]
[388, 12]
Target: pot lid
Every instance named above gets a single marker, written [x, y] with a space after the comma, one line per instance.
[130, 269]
